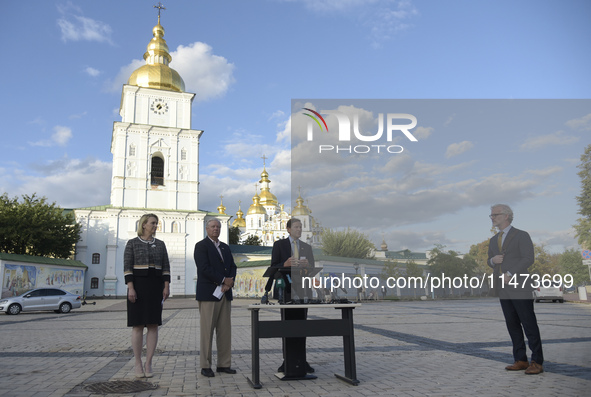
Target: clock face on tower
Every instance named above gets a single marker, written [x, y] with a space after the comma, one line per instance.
[159, 106]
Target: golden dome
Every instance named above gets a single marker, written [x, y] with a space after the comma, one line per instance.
[156, 73]
[239, 221]
[267, 198]
[300, 208]
[256, 207]
[222, 207]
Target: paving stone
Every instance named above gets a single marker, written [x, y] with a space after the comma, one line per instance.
[412, 348]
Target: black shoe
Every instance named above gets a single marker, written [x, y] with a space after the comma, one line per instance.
[207, 372]
[227, 370]
[309, 369]
[282, 368]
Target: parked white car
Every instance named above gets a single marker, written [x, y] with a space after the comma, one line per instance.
[54, 299]
[553, 293]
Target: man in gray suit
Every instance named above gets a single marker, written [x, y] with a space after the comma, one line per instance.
[510, 254]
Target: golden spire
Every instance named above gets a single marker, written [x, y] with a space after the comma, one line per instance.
[221, 207]
[239, 221]
[267, 198]
[156, 73]
[300, 209]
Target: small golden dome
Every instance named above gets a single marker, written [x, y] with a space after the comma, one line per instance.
[239, 221]
[256, 207]
[156, 73]
[300, 209]
[267, 198]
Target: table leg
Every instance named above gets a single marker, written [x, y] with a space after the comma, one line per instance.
[255, 382]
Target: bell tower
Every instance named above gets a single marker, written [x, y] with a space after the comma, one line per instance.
[155, 151]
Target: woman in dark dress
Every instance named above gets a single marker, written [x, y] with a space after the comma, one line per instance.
[147, 275]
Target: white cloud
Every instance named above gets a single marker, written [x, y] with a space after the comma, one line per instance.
[92, 71]
[456, 149]
[122, 77]
[81, 28]
[582, 124]
[207, 75]
[71, 183]
[556, 138]
[60, 137]
[382, 18]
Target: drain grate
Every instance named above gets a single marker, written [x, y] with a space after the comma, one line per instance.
[120, 386]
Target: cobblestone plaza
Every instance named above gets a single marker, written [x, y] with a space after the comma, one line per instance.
[411, 348]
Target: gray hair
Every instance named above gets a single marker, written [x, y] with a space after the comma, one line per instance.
[505, 209]
[213, 220]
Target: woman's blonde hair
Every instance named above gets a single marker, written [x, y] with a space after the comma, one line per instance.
[143, 221]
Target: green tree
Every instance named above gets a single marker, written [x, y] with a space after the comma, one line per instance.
[347, 243]
[479, 253]
[450, 264]
[234, 235]
[544, 262]
[571, 262]
[583, 225]
[252, 240]
[390, 269]
[413, 269]
[35, 227]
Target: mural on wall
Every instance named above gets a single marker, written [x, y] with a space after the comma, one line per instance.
[18, 279]
[250, 283]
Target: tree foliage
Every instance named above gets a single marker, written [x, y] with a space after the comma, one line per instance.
[583, 225]
[479, 253]
[450, 263]
[252, 240]
[234, 235]
[347, 243]
[413, 269]
[544, 263]
[35, 227]
[390, 269]
[571, 262]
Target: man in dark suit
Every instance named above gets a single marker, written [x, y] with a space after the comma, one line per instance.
[510, 254]
[216, 272]
[287, 253]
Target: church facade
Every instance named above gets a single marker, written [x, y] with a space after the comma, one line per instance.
[155, 170]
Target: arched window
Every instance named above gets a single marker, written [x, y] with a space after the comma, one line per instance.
[175, 227]
[96, 259]
[94, 283]
[157, 171]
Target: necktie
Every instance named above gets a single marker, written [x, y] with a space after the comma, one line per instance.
[500, 241]
[296, 252]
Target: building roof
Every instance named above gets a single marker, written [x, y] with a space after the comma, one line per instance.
[263, 263]
[250, 249]
[41, 260]
[406, 255]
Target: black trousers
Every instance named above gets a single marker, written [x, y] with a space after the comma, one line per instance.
[520, 317]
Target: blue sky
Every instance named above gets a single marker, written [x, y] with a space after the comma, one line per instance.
[64, 64]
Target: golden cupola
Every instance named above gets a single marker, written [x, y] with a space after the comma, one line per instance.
[156, 73]
[256, 207]
[239, 221]
[222, 207]
[300, 209]
[267, 198]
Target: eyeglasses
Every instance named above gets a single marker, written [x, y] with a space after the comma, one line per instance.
[493, 215]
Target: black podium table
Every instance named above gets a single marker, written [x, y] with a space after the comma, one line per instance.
[305, 328]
